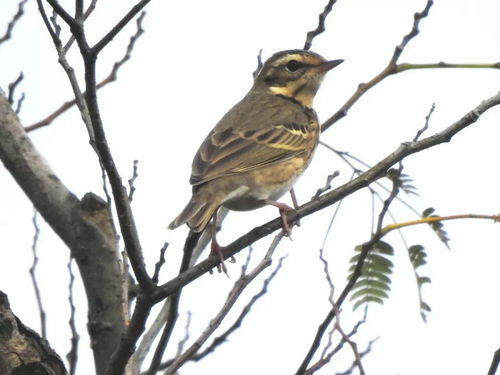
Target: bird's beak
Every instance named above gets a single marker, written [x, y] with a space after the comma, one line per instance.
[327, 65]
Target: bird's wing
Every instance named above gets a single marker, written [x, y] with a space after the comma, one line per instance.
[230, 151]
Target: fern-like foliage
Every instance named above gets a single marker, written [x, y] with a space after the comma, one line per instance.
[374, 283]
[418, 258]
[405, 182]
[437, 226]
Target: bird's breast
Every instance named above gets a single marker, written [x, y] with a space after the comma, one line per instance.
[266, 183]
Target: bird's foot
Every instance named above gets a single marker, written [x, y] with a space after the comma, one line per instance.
[284, 209]
[216, 250]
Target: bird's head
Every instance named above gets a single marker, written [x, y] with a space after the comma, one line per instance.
[295, 73]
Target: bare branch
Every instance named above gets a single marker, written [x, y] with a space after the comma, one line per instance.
[494, 363]
[86, 15]
[327, 199]
[132, 180]
[361, 355]
[20, 103]
[41, 311]
[417, 17]
[12, 87]
[72, 355]
[328, 185]
[171, 318]
[391, 68]
[321, 25]
[426, 125]
[234, 294]
[80, 101]
[83, 225]
[70, 21]
[10, 26]
[239, 321]
[259, 65]
[365, 249]
[22, 350]
[160, 263]
[327, 356]
[118, 27]
[112, 77]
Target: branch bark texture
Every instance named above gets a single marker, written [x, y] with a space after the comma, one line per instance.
[23, 351]
[84, 226]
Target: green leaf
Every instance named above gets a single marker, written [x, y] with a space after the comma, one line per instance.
[437, 226]
[418, 258]
[374, 283]
[365, 300]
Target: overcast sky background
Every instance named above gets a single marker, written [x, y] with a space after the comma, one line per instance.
[193, 63]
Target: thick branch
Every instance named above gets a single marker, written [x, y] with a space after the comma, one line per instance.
[83, 225]
[330, 198]
[23, 351]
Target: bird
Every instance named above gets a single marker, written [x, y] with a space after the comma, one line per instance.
[261, 146]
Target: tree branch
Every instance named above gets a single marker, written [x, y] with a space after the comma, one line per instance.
[83, 225]
[119, 26]
[321, 24]
[22, 350]
[365, 249]
[363, 180]
[10, 26]
[112, 77]
[38, 296]
[390, 69]
[494, 363]
[234, 294]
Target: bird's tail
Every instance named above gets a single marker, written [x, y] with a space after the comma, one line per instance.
[196, 214]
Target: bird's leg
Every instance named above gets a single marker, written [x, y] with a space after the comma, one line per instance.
[295, 204]
[215, 248]
[284, 209]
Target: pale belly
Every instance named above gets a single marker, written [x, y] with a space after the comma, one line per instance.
[267, 183]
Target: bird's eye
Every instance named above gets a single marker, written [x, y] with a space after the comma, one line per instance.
[293, 66]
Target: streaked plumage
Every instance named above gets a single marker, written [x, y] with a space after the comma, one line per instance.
[260, 147]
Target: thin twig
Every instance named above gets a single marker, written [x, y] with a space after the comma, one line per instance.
[361, 355]
[365, 249]
[132, 180]
[173, 307]
[72, 355]
[160, 263]
[321, 24]
[70, 72]
[222, 338]
[112, 77]
[426, 125]
[184, 340]
[86, 15]
[390, 69]
[345, 156]
[38, 296]
[259, 65]
[119, 26]
[10, 26]
[234, 294]
[328, 185]
[20, 103]
[327, 357]
[12, 87]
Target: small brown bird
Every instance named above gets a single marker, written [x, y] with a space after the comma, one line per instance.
[257, 151]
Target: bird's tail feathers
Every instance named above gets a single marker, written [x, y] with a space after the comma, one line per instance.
[196, 214]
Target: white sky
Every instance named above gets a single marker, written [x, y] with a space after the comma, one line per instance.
[194, 62]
